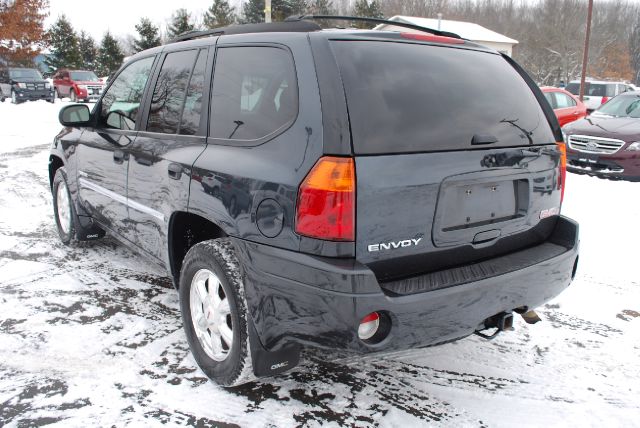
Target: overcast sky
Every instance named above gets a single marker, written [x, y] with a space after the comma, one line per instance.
[119, 16]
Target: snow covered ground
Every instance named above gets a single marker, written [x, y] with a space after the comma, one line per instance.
[92, 336]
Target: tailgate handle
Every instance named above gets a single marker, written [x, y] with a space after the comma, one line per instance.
[483, 139]
[486, 236]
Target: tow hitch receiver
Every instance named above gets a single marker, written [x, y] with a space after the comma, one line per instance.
[500, 322]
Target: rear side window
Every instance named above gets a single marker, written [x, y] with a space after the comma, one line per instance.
[563, 101]
[170, 92]
[410, 98]
[193, 102]
[255, 93]
[574, 88]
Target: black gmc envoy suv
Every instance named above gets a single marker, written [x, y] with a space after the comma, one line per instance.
[351, 190]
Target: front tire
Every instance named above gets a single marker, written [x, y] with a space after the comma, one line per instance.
[63, 209]
[214, 312]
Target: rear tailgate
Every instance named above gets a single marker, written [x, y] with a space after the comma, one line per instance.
[455, 161]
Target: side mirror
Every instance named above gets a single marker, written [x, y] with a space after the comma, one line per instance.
[74, 115]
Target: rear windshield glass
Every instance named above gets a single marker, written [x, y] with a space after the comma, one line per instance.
[593, 89]
[409, 98]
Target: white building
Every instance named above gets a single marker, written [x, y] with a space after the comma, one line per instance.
[467, 30]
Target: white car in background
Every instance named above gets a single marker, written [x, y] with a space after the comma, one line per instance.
[598, 92]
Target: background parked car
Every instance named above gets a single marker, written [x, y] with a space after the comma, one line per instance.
[566, 106]
[607, 143]
[598, 92]
[24, 84]
[79, 85]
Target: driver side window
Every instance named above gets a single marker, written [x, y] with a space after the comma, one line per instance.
[120, 104]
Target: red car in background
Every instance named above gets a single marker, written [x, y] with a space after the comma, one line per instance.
[566, 106]
[79, 85]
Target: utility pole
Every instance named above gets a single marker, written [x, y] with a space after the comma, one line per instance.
[267, 10]
[585, 57]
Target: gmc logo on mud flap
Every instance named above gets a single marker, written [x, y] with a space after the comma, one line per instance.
[280, 365]
[393, 245]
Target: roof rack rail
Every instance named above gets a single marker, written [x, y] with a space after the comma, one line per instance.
[297, 18]
[293, 26]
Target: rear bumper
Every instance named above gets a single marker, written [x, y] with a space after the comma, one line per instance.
[313, 301]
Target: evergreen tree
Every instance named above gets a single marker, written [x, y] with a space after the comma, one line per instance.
[110, 55]
[180, 23]
[88, 51]
[149, 36]
[320, 7]
[253, 10]
[220, 14]
[367, 9]
[22, 34]
[65, 49]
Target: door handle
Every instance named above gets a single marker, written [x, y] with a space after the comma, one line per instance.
[119, 156]
[175, 171]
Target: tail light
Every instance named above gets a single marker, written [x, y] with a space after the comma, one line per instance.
[327, 199]
[562, 148]
[604, 100]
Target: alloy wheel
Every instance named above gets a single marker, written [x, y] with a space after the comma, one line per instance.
[64, 207]
[211, 314]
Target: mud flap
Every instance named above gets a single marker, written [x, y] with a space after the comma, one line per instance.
[266, 363]
[86, 228]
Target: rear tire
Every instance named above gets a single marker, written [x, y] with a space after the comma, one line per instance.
[214, 312]
[63, 209]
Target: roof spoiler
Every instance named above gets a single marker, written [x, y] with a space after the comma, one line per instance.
[299, 24]
[301, 18]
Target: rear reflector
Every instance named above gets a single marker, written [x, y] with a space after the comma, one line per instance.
[604, 100]
[326, 201]
[562, 148]
[369, 326]
[432, 38]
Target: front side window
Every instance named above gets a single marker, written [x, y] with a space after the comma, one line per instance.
[120, 104]
[169, 92]
[255, 93]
